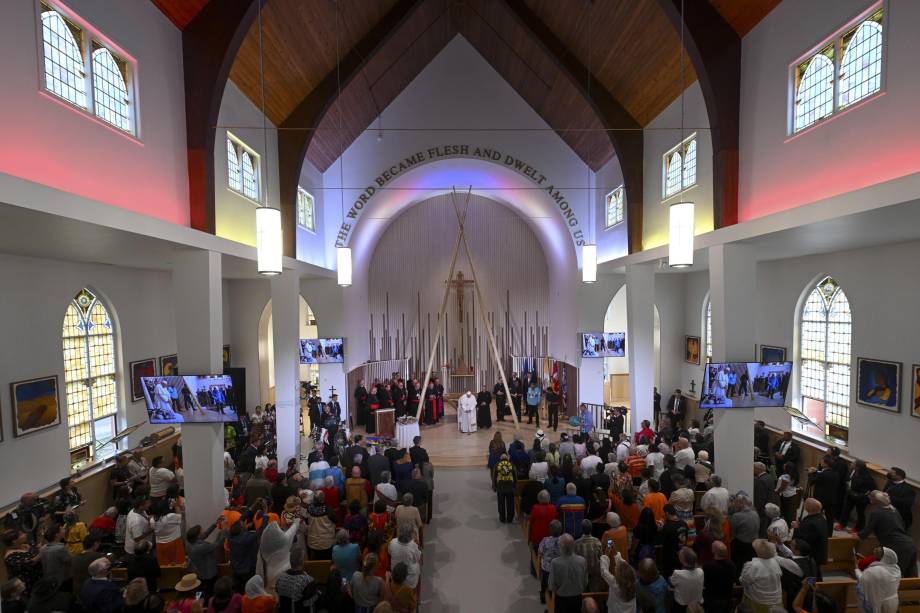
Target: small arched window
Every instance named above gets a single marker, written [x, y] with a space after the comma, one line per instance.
[234, 169]
[861, 66]
[89, 375]
[64, 70]
[110, 89]
[672, 175]
[250, 177]
[824, 351]
[689, 167]
[814, 94]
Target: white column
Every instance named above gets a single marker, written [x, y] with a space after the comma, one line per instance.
[640, 321]
[197, 294]
[732, 290]
[286, 343]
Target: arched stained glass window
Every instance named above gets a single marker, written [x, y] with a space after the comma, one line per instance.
[814, 94]
[672, 174]
[250, 177]
[90, 375]
[613, 205]
[689, 167]
[63, 65]
[861, 66]
[110, 90]
[234, 169]
[708, 330]
[824, 349]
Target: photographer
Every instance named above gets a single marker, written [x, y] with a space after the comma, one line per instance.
[27, 517]
[825, 482]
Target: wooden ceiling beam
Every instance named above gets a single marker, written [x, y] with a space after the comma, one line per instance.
[299, 127]
[210, 42]
[714, 48]
[624, 132]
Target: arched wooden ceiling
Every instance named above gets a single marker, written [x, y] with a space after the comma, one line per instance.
[629, 46]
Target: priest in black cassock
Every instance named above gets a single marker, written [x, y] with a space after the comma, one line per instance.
[500, 401]
[516, 388]
[484, 408]
[398, 394]
[361, 403]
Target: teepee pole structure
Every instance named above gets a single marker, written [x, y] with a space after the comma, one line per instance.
[483, 309]
[441, 313]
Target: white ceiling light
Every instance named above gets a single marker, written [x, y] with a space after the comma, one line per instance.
[343, 264]
[589, 263]
[680, 238]
[268, 240]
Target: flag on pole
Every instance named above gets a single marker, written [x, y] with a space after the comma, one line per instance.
[554, 380]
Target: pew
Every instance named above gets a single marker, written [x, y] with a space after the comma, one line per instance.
[909, 595]
[318, 569]
[841, 557]
[519, 490]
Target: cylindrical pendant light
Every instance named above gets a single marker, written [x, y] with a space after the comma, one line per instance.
[268, 240]
[589, 263]
[343, 264]
[680, 239]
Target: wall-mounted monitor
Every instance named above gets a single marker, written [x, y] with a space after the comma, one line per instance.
[181, 399]
[735, 385]
[322, 350]
[603, 344]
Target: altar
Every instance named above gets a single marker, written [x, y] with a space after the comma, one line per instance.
[406, 433]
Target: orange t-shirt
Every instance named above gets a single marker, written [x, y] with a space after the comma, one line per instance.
[629, 515]
[620, 538]
[636, 465]
[257, 521]
[655, 501]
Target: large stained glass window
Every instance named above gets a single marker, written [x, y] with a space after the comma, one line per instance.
[90, 375]
[824, 349]
[613, 205]
[679, 168]
[306, 210]
[63, 59]
[110, 89]
[242, 168]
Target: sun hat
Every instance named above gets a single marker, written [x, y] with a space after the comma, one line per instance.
[292, 504]
[188, 583]
[540, 434]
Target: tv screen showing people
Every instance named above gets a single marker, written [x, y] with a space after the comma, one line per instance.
[603, 344]
[745, 384]
[181, 399]
[322, 351]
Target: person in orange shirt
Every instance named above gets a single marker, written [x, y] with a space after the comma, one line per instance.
[616, 539]
[636, 462]
[626, 507]
[655, 500]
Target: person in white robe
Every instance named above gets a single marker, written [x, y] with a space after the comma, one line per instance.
[877, 586]
[466, 414]
[275, 551]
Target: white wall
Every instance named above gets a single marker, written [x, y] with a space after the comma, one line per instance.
[311, 246]
[696, 289]
[611, 242]
[869, 144]
[234, 214]
[52, 143]
[615, 321]
[660, 136]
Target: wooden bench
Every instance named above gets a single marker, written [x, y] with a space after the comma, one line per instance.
[841, 556]
[318, 569]
[909, 595]
[841, 591]
[170, 575]
[519, 490]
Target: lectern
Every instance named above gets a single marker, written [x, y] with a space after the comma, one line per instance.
[386, 422]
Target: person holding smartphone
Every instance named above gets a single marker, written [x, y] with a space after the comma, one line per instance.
[809, 600]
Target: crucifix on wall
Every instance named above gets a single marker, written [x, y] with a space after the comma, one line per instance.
[460, 284]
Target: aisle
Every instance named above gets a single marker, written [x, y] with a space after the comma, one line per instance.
[472, 562]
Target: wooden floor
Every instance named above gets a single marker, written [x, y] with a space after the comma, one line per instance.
[449, 448]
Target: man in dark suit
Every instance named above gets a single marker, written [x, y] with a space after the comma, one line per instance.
[677, 409]
[761, 438]
[764, 492]
[902, 495]
[813, 530]
[786, 450]
[825, 482]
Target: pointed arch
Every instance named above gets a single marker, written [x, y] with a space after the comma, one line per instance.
[90, 374]
[861, 65]
[814, 93]
[110, 90]
[63, 59]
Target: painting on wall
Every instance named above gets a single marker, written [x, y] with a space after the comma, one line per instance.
[169, 365]
[879, 384]
[35, 405]
[141, 368]
[770, 354]
[692, 350]
[915, 395]
[226, 355]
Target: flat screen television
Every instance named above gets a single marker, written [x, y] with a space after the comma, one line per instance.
[322, 350]
[179, 399]
[745, 384]
[603, 344]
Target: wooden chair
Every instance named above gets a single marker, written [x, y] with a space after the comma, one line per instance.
[909, 596]
[318, 569]
[170, 575]
[841, 556]
[842, 592]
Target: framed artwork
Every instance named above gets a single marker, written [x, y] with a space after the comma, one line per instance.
[879, 384]
[692, 350]
[915, 392]
[226, 356]
[141, 368]
[35, 405]
[169, 365]
[769, 354]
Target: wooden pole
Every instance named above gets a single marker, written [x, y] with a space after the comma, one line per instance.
[485, 323]
[450, 275]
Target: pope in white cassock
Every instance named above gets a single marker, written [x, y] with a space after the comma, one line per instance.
[466, 414]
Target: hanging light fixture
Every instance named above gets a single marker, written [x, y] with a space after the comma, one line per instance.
[268, 240]
[589, 263]
[681, 226]
[343, 253]
[680, 245]
[343, 264]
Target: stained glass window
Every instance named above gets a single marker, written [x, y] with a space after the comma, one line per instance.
[250, 177]
[64, 71]
[824, 348]
[845, 71]
[614, 206]
[110, 89]
[234, 170]
[90, 374]
[242, 168]
[708, 330]
[679, 168]
[306, 210]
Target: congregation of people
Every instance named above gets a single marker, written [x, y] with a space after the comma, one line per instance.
[645, 523]
[354, 512]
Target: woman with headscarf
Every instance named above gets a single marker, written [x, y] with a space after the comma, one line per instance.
[877, 586]
[496, 449]
[274, 553]
[256, 599]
